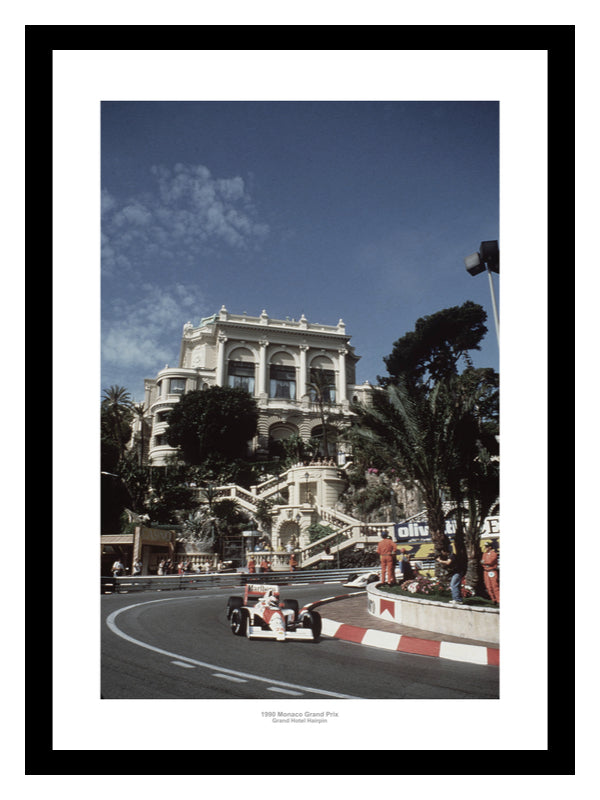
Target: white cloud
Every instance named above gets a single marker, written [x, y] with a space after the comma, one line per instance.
[144, 334]
[188, 211]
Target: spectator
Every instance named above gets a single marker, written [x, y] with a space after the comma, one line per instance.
[251, 566]
[405, 565]
[118, 568]
[137, 567]
[489, 563]
[386, 550]
[450, 560]
[293, 562]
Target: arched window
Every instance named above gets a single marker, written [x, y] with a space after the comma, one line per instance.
[321, 380]
[278, 434]
[240, 370]
[282, 377]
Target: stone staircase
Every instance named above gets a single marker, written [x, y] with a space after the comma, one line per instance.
[347, 530]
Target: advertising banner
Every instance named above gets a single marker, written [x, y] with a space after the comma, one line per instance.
[419, 531]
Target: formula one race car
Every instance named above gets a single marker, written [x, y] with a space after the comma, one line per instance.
[261, 615]
[361, 580]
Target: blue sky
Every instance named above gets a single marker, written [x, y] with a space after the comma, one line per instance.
[356, 210]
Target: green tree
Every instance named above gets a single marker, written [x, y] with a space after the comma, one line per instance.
[115, 419]
[412, 434]
[216, 421]
[457, 415]
[138, 480]
[138, 411]
[474, 475]
[169, 495]
[434, 349]
[369, 501]
[263, 514]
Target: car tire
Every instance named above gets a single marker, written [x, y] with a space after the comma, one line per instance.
[312, 620]
[234, 602]
[294, 605]
[239, 621]
[352, 577]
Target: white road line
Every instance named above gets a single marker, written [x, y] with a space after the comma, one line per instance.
[229, 677]
[110, 621]
[283, 691]
[181, 664]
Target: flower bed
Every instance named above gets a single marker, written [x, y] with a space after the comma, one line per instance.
[433, 589]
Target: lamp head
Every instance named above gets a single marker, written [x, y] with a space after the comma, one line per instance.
[490, 255]
[474, 264]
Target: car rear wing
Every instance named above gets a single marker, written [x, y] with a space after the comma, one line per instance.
[254, 590]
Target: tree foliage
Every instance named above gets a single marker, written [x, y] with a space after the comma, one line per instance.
[439, 426]
[433, 350]
[218, 421]
[474, 476]
[116, 412]
[321, 388]
[412, 434]
[169, 495]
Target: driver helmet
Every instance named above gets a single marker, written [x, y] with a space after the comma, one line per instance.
[271, 597]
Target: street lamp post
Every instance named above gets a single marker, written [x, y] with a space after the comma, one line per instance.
[488, 258]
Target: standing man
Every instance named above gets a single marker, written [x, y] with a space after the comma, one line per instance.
[386, 550]
[489, 563]
[293, 562]
[450, 560]
[118, 568]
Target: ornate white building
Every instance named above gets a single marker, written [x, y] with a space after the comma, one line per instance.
[274, 360]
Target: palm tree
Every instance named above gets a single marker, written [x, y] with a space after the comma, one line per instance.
[117, 409]
[473, 479]
[413, 432]
[139, 411]
[263, 514]
[319, 388]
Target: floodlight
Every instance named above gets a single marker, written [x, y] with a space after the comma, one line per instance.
[474, 264]
[490, 255]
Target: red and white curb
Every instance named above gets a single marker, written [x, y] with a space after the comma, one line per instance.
[455, 651]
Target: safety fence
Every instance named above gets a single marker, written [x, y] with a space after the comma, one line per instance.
[168, 583]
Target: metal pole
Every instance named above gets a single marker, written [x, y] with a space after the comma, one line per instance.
[494, 305]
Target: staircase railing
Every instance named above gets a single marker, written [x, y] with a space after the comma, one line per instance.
[348, 532]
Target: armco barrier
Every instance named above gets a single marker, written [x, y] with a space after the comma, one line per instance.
[164, 583]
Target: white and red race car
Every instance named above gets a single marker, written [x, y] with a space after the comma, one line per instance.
[260, 614]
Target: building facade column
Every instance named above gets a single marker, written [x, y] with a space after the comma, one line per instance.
[221, 340]
[342, 376]
[261, 383]
[302, 379]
